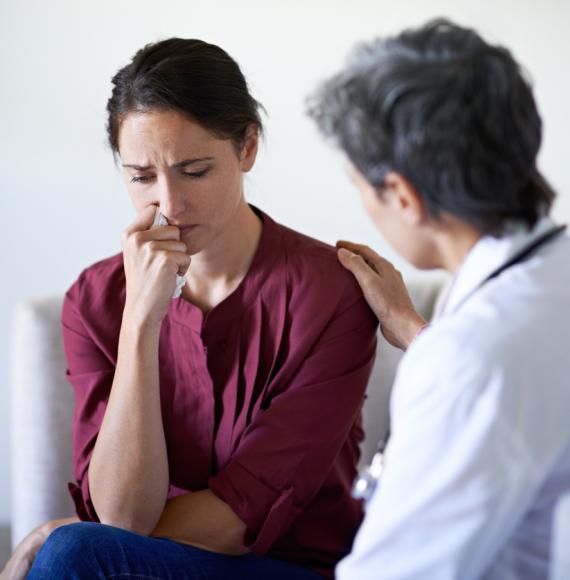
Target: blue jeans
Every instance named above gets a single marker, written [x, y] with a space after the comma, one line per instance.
[85, 551]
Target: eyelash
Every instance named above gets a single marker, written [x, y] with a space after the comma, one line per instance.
[146, 179]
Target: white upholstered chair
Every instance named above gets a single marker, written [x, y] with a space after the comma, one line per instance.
[561, 543]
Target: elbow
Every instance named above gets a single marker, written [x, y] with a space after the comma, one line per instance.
[241, 551]
[128, 523]
[127, 515]
[233, 542]
[234, 549]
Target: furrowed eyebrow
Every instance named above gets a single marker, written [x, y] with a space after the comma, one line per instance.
[175, 166]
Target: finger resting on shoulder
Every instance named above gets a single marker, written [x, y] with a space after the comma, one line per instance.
[352, 246]
[356, 264]
[365, 251]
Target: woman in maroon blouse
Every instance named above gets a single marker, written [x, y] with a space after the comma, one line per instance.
[218, 432]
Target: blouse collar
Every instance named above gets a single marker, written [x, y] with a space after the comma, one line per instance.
[244, 295]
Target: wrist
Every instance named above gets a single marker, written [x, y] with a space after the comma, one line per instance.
[140, 322]
[412, 326]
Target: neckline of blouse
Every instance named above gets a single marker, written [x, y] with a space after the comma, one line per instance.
[188, 314]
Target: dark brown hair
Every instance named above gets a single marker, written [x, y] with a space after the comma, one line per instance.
[190, 76]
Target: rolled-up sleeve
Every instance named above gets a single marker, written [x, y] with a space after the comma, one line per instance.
[290, 447]
[90, 373]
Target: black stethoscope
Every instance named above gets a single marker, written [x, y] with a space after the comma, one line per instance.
[369, 476]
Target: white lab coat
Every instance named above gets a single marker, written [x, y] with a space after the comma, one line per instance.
[480, 445]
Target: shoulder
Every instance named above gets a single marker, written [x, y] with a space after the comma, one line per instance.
[501, 347]
[440, 363]
[519, 319]
[319, 293]
[465, 348]
[313, 269]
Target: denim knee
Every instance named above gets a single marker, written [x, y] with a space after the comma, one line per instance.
[68, 551]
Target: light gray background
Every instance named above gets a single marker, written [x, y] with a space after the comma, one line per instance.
[62, 203]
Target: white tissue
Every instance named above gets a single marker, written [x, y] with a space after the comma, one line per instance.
[160, 220]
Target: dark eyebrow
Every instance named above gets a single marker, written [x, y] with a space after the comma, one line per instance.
[175, 166]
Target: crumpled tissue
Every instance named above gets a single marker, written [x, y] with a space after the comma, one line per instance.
[160, 220]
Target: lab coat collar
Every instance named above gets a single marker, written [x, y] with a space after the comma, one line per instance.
[486, 256]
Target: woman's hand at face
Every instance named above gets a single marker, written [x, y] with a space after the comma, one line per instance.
[152, 260]
[21, 561]
[385, 291]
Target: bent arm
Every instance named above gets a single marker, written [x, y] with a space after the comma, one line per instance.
[127, 465]
[128, 473]
[202, 520]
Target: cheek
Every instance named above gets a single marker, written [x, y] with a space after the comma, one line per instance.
[409, 244]
[230, 179]
[369, 201]
[387, 223]
[378, 212]
[221, 190]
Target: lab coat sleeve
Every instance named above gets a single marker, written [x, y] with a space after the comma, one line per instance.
[458, 471]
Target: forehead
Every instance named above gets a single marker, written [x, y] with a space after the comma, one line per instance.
[157, 134]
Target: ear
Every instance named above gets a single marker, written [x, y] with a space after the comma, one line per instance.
[404, 198]
[249, 148]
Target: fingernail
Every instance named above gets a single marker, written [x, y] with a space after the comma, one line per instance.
[345, 253]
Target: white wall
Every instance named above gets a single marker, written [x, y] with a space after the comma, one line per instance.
[62, 204]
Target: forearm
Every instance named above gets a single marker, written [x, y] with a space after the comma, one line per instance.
[128, 473]
[202, 520]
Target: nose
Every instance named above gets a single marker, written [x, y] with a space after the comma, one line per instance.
[172, 202]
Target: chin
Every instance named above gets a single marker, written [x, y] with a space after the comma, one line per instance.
[196, 242]
[419, 258]
[194, 249]
[423, 261]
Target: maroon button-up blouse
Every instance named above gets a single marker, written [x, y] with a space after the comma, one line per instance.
[260, 398]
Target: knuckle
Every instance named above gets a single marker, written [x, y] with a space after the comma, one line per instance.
[136, 238]
[163, 261]
[146, 251]
[363, 263]
[162, 258]
[367, 280]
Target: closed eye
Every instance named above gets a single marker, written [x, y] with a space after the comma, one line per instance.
[191, 175]
[197, 174]
[140, 178]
